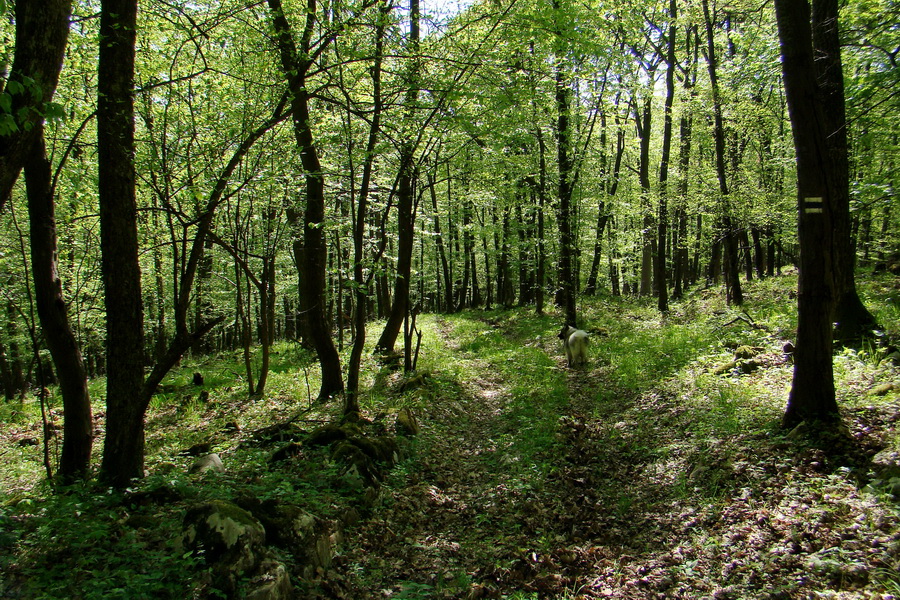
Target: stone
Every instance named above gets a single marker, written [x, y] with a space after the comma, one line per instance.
[210, 462]
[882, 390]
[292, 450]
[886, 464]
[272, 583]
[406, 424]
[228, 537]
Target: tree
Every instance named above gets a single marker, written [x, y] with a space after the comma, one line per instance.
[361, 282]
[54, 317]
[123, 451]
[852, 318]
[406, 180]
[295, 63]
[663, 214]
[41, 36]
[812, 393]
[567, 285]
[729, 233]
[42, 29]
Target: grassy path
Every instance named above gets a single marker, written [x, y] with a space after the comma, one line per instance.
[533, 481]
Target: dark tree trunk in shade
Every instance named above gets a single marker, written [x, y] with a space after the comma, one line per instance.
[42, 30]
[123, 451]
[812, 395]
[314, 256]
[853, 319]
[53, 314]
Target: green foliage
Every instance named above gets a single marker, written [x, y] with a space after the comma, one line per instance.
[84, 543]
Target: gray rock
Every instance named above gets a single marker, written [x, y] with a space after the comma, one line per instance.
[210, 462]
[273, 583]
[228, 537]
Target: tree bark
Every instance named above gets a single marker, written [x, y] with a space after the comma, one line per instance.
[295, 65]
[853, 320]
[644, 122]
[53, 314]
[663, 209]
[445, 301]
[729, 238]
[361, 288]
[406, 216]
[42, 30]
[812, 395]
[123, 451]
[567, 285]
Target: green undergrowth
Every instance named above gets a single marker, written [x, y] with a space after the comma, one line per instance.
[673, 403]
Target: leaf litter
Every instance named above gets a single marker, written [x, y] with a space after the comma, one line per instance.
[634, 501]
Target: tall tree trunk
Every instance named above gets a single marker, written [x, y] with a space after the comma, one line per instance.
[52, 311]
[405, 198]
[295, 65]
[729, 237]
[123, 450]
[644, 122]
[42, 31]
[444, 274]
[541, 274]
[681, 273]
[812, 393]
[405, 238]
[566, 285]
[361, 283]
[663, 214]
[852, 317]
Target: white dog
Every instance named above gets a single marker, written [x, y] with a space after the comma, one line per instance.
[575, 341]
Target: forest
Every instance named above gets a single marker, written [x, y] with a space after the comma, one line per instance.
[283, 284]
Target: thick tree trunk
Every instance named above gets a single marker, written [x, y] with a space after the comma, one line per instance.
[52, 311]
[812, 393]
[852, 317]
[123, 451]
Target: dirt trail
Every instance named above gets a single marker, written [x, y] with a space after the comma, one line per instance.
[462, 527]
[629, 510]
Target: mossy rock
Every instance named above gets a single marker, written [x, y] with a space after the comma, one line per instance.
[406, 423]
[276, 434]
[292, 450]
[416, 381]
[228, 537]
[331, 433]
[746, 352]
[287, 526]
[361, 469]
[725, 369]
[882, 390]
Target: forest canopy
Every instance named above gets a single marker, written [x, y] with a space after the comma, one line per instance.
[432, 301]
[300, 168]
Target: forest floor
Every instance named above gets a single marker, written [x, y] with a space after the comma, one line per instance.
[630, 502]
[658, 470]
